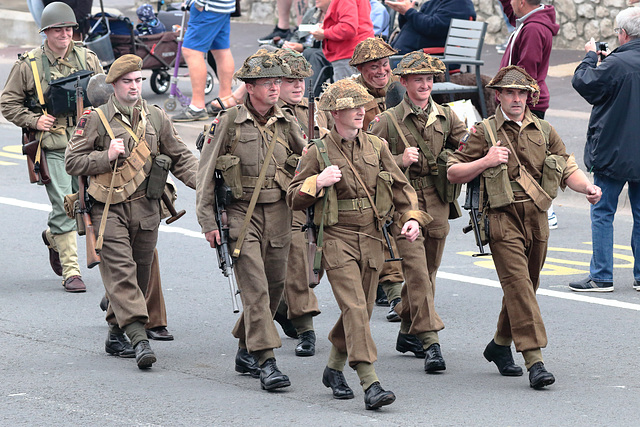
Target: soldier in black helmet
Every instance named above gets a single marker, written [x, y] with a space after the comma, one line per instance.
[25, 103]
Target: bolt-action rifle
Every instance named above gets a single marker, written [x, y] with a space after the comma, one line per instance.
[225, 262]
[93, 258]
[310, 227]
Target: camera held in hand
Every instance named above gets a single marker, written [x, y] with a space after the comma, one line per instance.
[602, 47]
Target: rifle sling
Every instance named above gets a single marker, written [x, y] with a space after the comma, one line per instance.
[431, 160]
[392, 116]
[256, 191]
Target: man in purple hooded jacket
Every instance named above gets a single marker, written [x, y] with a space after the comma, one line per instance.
[529, 46]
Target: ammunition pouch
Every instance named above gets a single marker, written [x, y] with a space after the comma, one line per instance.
[158, 176]
[552, 174]
[384, 193]
[447, 191]
[282, 178]
[229, 167]
[330, 213]
[483, 228]
[530, 186]
[291, 164]
[497, 186]
[69, 205]
[60, 96]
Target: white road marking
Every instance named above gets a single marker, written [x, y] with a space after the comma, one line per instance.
[441, 274]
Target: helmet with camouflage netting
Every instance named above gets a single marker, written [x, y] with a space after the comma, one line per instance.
[262, 64]
[371, 49]
[515, 77]
[57, 15]
[300, 67]
[344, 94]
[419, 62]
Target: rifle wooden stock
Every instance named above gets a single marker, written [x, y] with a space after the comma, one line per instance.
[312, 248]
[172, 210]
[93, 258]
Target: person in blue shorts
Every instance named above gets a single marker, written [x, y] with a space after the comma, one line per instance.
[209, 28]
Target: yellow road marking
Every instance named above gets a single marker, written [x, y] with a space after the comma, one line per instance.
[12, 156]
[3, 163]
[13, 149]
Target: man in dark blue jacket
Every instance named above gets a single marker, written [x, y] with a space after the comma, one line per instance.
[429, 26]
[612, 150]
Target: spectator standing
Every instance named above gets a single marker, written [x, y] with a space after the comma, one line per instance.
[209, 29]
[612, 150]
[529, 47]
[427, 27]
[380, 19]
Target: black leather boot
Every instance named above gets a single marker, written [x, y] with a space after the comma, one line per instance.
[410, 342]
[502, 357]
[335, 379]
[271, 377]
[246, 363]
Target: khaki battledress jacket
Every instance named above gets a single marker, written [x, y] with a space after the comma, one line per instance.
[352, 252]
[519, 232]
[261, 267]
[420, 264]
[131, 229]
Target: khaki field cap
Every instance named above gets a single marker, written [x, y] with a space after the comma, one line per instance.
[516, 78]
[300, 67]
[419, 62]
[262, 65]
[123, 65]
[344, 94]
[58, 15]
[371, 49]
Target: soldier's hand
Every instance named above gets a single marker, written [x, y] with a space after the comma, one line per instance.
[45, 122]
[593, 194]
[411, 230]
[497, 155]
[328, 177]
[213, 237]
[409, 156]
[116, 147]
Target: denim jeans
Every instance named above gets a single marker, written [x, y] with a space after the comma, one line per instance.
[602, 214]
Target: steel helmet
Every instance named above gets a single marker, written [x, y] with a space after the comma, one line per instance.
[58, 15]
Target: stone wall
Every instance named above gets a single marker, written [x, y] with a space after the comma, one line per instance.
[579, 21]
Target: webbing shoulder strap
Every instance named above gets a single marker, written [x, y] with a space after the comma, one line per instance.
[545, 127]
[322, 152]
[431, 159]
[105, 212]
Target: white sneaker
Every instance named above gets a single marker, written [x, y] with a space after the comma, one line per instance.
[553, 221]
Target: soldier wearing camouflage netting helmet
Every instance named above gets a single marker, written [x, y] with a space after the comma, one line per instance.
[255, 146]
[27, 105]
[419, 131]
[300, 304]
[353, 181]
[522, 161]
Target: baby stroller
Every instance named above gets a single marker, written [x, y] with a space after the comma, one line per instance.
[111, 37]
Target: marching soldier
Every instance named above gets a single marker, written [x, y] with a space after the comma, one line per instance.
[26, 103]
[254, 145]
[418, 132]
[522, 161]
[354, 182]
[300, 299]
[143, 146]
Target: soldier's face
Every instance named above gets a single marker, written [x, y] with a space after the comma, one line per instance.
[292, 90]
[349, 119]
[418, 87]
[376, 73]
[264, 91]
[59, 39]
[513, 102]
[128, 88]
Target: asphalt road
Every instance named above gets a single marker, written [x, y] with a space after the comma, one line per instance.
[54, 371]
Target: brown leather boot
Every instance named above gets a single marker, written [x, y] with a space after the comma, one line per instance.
[74, 284]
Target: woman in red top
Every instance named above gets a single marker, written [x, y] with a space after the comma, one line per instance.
[346, 23]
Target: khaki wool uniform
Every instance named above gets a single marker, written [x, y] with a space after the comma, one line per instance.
[260, 269]
[519, 232]
[131, 229]
[20, 87]
[300, 298]
[352, 254]
[417, 306]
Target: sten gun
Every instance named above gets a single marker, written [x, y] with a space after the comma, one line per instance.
[225, 262]
[472, 204]
[310, 228]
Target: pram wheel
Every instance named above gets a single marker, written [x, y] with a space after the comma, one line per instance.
[160, 81]
[209, 86]
[170, 104]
